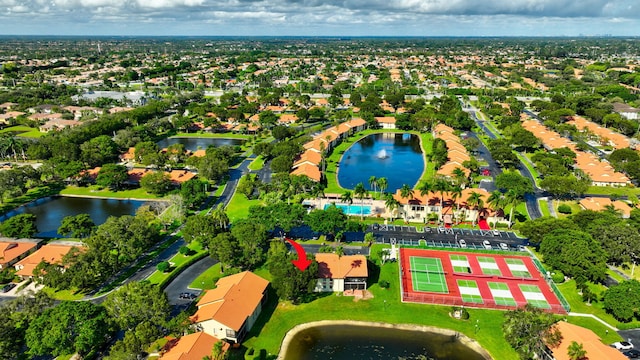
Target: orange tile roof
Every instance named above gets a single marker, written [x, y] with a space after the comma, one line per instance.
[386, 120]
[288, 118]
[599, 204]
[194, 346]
[308, 156]
[308, 170]
[591, 343]
[50, 253]
[332, 266]
[11, 250]
[180, 176]
[234, 299]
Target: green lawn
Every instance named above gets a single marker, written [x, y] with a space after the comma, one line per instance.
[68, 295]
[96, 191]
[176, 261]
[386, 307]
[25, 131]
[575, 207]
[239, 206]
[212, 135]
[608, 190]
[207, 280]
[257, 164]
[544, 207]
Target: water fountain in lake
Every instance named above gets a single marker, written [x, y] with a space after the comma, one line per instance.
[382, 154]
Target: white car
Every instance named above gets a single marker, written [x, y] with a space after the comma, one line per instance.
[622, 345]
[463, 244]
[486, 244]
[496, 232]
[504, 246]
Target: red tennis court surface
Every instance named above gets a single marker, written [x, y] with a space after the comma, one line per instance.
[474, 279]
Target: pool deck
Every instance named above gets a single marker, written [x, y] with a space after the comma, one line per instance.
[377, 206]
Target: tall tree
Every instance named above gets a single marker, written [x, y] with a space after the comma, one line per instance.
[383, 183]
[19, 226]
[361, 192]
[291, 283]
[137, 302]
[78, 226]
[373, 183]
[528, 330]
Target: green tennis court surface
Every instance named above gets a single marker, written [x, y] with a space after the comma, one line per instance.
[489, 266]
[460, 263]
[534, 296]
[428, 275]
[469, 291]
[518, 268]
[501, 294]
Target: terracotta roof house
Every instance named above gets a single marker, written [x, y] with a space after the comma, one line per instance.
[340, 273]
[229, 311]
[599, 204]
[386, 122]
[194, 346]
[591, 343]
[50, 253]
[58, 124]
[13, 250]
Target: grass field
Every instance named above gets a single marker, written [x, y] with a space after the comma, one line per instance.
[608, 190]
[24, 131]
[238, 207]
[544, 207]
[176, 261]
[385, 306]
[257, 164]
[96, 191]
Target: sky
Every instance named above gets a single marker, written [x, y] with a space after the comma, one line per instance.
[321, 17]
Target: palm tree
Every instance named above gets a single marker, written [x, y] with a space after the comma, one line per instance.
[360, 193]
[441, 185]
[220, 216]
[456, 193]
[496, 200]
[475, 200]
[425, 187]
[513, 199]
[576, 351]
[373, 183]
[347, 197]
[390, 202]
[382, 184]
[406, 192]
[460, 177]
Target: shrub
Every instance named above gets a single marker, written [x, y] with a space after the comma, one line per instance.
[564, 209]
[163, 266]
[184, 250]
[557, 277]
[384, 284]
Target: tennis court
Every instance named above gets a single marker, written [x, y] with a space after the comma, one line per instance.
[467, 278]
[501, 294]
[518, 268]
[489, 266]
[534, 296]
[469, 291]
[428, 275]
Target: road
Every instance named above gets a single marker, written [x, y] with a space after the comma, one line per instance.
[531, 200]
[181, 284]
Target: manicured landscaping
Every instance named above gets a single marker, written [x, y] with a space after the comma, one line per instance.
[544, 207]
[385, 307]
[257, 164]
[177, 262]
[238, 207]
[608, 190]
[575, 207]
[63, 295]
[214, 135]
[24, 131]
[97, 191]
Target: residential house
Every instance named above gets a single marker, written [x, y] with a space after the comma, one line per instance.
[340, 273]
[229, 311]
[8, 116]
[626, 111]
[13, 250]
[196, 346]
[591, 344]
[49, 253]
[58, 124]
[386, 122]
[600, 204]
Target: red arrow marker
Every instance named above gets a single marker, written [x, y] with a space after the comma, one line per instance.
[302, 263]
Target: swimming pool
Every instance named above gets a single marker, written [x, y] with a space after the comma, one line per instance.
[353, 209]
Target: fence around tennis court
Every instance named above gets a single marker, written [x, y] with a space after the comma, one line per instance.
[552, 285]
[457, 301]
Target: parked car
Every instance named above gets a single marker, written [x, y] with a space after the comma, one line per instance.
[486, 244]
[504, 246]
[632, 354]
[463, 244]
[496, 232]
[8, 287]
[187, 296]
[622, 345]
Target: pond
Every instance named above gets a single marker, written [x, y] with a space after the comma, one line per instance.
[347, 342]
[395, 156]
[50, 211]
[195, 143]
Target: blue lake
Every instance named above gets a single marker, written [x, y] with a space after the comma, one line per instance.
[195, 143]
[50, 211]
[395, 156]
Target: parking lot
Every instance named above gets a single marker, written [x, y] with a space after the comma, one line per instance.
[446, 237]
